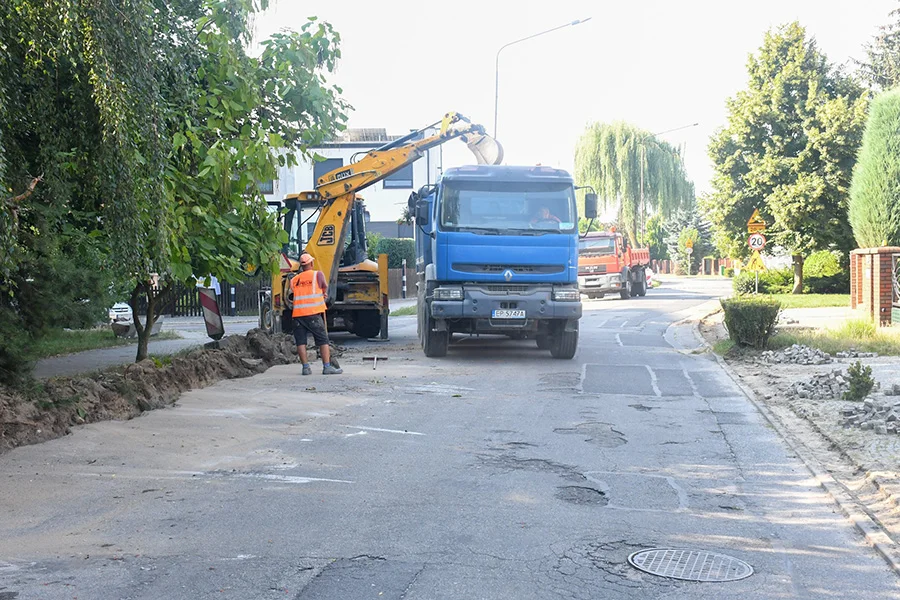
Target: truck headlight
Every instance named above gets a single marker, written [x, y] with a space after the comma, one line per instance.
[566, 295]
[448, 294]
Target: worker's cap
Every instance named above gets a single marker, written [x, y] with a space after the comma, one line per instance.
[306, 259]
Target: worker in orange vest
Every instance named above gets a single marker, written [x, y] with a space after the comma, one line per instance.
[310, 289]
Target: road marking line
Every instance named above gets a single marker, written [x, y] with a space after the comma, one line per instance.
[692, 382]
[619, 340]
[654, 382]
[403, 432]
[286, 478]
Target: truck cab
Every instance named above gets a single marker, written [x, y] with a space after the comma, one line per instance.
[607, 264]
[497, 253]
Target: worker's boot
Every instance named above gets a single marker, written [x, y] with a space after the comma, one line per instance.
[307, 370]
[331, 370]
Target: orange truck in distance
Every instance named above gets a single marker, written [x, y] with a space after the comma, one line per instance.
[607, 264]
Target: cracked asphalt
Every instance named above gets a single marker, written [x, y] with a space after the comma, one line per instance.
[495, 473]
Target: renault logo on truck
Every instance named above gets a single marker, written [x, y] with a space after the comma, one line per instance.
[507, 274]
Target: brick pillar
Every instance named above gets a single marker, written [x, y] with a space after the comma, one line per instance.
[885, 286]
[871, 282]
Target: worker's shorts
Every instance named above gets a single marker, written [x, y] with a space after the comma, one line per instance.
[312, 325]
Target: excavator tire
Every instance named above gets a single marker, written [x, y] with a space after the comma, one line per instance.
[564, 344]
[366, 323]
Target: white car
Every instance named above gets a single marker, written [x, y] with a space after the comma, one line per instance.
[120, 311]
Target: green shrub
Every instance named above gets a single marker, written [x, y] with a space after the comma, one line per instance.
[838, 283]
[861, 382]
[729, 272]
[372, 239]
[397, 249]
[821, 264]
[750, 321]
[775, 281]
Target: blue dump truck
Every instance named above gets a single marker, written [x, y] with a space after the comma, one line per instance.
[497, 253]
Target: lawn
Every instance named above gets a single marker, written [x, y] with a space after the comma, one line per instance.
[860, 335]
[62, 341]
[812, 300]
[405, 311]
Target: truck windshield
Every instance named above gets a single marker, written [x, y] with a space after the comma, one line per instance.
[504, 207]
[597, 246]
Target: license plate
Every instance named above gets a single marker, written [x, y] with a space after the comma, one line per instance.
[508, 314]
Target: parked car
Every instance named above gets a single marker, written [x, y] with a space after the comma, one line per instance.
[120, 311]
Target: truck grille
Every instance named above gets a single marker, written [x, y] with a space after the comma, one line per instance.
[518, 269]
[506, 289]
[590, 269]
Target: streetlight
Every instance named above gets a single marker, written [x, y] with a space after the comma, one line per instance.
[497, 63]
[643, 148]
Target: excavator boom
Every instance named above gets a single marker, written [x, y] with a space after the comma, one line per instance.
[361, 292]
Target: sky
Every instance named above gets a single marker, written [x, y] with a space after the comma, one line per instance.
[659, 64]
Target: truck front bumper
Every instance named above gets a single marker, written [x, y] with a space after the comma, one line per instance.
[600, 283]
[531, 305]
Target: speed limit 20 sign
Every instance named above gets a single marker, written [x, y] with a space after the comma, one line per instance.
[756, 241]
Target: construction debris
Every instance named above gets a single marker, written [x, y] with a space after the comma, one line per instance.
[797, 355]
[824, 386]
[882, 417]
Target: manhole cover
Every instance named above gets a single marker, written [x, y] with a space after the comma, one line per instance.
[690, 565]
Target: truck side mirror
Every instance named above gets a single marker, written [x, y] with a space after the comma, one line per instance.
[422, 214]
[411, 202]
[590, 205]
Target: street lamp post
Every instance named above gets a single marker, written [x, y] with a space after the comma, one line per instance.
[643, 155]
[497, 63]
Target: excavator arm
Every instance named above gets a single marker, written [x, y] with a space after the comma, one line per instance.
[337, 189]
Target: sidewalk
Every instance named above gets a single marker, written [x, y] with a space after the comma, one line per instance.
[191, 329]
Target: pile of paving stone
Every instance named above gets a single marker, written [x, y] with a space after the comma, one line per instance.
[882, 417]
[855, 354]
[797, 355]
[825, 386]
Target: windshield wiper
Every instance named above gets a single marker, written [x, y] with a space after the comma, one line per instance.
[482, 230]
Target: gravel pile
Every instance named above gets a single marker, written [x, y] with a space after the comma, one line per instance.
[855, 354]
[797, 355]
[826, 386]
[882, 417]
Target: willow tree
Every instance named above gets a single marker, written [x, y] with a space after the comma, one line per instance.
[621, 161]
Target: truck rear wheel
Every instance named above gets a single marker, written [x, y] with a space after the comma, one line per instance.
[434, 343]
[641, 286]
[564, 344]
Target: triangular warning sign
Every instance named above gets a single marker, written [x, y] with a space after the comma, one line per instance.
[756, 224]
[284, 264]
[755, 263]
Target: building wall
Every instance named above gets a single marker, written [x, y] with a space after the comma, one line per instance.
[383, 204]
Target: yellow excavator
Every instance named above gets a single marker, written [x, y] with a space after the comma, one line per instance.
[357, 287]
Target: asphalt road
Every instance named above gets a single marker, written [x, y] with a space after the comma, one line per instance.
[495, 473]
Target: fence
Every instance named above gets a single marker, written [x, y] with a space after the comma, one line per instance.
[395, 283]
[234, 299]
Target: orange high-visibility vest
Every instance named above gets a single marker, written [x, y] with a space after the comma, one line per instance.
[309, 298]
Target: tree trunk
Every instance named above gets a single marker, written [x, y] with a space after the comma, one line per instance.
[798, 274]
[154, 302]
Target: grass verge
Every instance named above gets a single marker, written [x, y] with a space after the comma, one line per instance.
[404, 312]
[812, 300]
[61, 341]
[856, 334]
[722, 347]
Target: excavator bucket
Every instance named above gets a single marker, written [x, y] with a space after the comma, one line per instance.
[486, 149]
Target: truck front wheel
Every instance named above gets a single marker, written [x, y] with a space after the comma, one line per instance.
[434, 343]
[564, 344]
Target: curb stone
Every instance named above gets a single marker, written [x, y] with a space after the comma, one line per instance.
[864, 523]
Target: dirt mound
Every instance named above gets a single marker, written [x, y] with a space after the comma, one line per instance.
[48, 410]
